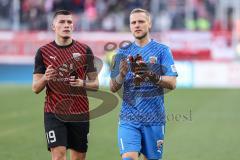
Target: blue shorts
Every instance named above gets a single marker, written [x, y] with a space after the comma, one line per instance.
[134, 137]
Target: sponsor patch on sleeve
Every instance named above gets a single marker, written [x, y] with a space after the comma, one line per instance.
[173, 67]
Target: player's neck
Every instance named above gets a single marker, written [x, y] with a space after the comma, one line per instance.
[63, 42]
[142, 42]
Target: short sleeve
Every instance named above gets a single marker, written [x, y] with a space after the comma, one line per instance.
[167, 63]
[90, 61]
[39, 66]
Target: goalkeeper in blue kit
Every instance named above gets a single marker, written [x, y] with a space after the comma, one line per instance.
[145, 69]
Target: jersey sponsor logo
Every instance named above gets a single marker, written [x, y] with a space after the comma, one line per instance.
[173, 67]
[63, 70]
[76, 56]
[53, 57]
[152, 60]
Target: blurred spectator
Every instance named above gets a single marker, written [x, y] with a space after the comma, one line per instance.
[5, 19]
[89, 15]
[177, 12]
[5, 5]
[33, 15]
[112, 15]
[229, 19]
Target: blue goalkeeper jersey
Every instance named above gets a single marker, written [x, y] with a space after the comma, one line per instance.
[145, 103]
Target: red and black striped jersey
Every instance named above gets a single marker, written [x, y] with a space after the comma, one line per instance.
[75, 59]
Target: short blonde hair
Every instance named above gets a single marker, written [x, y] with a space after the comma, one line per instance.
[140, 10]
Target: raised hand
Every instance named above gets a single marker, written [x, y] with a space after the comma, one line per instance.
[50, 73]
[123, 67]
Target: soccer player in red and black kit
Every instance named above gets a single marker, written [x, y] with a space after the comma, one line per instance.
[66, 68]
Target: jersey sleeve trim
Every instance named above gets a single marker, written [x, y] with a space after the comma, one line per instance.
[39, 66]
[90, 61]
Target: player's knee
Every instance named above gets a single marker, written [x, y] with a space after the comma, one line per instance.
[130, 156]
[58, 153]
[78, 157]
[60, 156]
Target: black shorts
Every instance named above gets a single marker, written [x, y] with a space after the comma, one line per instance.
[72, 135]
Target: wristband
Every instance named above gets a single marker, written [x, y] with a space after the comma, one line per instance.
[84, 83]
[160, 79]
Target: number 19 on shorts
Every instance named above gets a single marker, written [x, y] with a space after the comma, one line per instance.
[51, 138]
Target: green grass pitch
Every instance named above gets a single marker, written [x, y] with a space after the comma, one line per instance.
[211, 132]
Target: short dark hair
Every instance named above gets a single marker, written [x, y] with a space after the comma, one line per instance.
[61, 12]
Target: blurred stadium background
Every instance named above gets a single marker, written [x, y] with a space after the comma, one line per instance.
[204, 35]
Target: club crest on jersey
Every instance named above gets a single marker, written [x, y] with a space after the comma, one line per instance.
[76, 56]
[152, 59]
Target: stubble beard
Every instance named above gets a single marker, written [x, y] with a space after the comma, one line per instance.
[66, 37]
[141, 37]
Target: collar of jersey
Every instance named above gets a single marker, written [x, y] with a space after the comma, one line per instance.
[58, 46]
[135, 44]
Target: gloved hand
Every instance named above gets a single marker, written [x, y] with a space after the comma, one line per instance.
[152, 77]
[139, 68]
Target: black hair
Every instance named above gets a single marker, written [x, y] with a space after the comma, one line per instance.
[61, 12]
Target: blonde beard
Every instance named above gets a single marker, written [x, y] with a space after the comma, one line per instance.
[141, 37]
